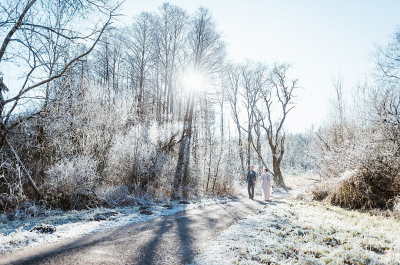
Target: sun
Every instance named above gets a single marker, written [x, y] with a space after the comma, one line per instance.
[193, 81]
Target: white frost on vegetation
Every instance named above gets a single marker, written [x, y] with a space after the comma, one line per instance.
[15, 235]
[347, 175]
[298, 232]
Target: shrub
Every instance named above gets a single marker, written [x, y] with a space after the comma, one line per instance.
[375, 185]
[320, 191]
[116, 196]
[71, 183]
[12, 195]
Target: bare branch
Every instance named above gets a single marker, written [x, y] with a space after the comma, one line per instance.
[65, 67]
[15, 28]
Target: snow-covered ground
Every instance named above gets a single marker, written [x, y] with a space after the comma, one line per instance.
[285, 231]
[288, 231]
[15, 235]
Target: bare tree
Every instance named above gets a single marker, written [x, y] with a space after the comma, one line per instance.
[233, 76]
[109, 63]
[206, 52]
[281, 88]
[169, 40]
[29, 34]
[387, 61]
[385, 97]
[140, 55]
[339, 108]
[247, 82]
[254, 79]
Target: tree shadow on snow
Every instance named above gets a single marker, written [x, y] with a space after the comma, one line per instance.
[275, 202]
[154, 250]
[186, 239]
[261, 202]
[147, 255]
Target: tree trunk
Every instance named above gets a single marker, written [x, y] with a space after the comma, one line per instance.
[182, 168]
[141, 85]
[2, 126]
[276, 164]
[216, 173]
[258, 133]
[31, 182]
[209, 170]
[240, 145]
[179, 166]
[186, 173]
[248, 147]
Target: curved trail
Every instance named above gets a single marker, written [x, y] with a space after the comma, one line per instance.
[174, 239]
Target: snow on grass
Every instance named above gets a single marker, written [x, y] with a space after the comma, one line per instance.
[297, 232]
[15, 234]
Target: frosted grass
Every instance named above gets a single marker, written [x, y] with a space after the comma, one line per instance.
[297, 232]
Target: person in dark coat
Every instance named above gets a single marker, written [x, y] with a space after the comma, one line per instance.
[251, 182]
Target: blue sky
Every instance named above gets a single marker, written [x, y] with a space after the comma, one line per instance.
[321, 39]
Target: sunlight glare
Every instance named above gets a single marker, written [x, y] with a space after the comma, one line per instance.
[193, 81]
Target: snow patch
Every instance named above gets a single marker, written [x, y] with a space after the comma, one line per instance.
[16, 234]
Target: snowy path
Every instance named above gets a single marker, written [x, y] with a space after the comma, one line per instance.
[173, 239]
[16, 232]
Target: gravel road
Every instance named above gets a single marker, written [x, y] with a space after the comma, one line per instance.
[174, 239]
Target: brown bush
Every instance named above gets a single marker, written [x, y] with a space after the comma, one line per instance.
[374, 185]
[320, 191]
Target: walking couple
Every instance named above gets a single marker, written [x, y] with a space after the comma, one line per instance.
[265, 181]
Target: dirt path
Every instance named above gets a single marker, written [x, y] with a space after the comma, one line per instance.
[172, 239]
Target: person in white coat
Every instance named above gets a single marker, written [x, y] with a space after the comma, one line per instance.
[266, 187]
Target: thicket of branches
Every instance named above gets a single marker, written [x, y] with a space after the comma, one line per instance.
[93, 114]
[360, 145]
[105, 116]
